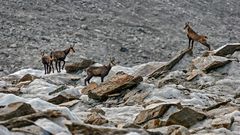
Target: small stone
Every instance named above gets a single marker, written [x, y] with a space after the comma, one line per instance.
[13, 46]
[84, 27]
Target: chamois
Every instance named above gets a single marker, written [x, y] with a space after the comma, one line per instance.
[193, 36]
[47, 63]
[60, 56]
[101, 71]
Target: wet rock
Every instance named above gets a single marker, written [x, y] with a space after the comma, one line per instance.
[211, 62]
[95, 119]
[229, 48]
[15, 110]
[152, 113]
[186, 117]
[222, 122]
[116, 84]
[75, 67]
[89, 87]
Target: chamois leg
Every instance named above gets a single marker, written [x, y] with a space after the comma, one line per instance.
[45, 68]
[63, 64]
[56, 65]
[49, 69]
[51, 65]
[189, 42]
[59, 65]
[192, 44]
[102, 79]
[87, 80]
[207, 45]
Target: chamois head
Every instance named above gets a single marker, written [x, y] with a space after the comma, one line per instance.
[71, 48]
[112, 61]
[187, 25]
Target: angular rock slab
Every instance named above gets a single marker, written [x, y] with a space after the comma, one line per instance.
[86, 129]
[89, 87]
[28, 77]
[116, 84]
[15, 110]
[227, 49]
[210, 62]
[186, 117]
[153, 113]
[12, 90]
[222, 122]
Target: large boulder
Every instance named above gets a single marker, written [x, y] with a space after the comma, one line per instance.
[116, 84]
[186, 117]
[75, 67]
[15, 110]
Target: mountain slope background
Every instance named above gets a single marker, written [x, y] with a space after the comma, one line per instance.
[132, 31]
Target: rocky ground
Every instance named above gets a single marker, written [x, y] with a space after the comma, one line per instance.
[201, 98]
[157, 86]
[133, 31]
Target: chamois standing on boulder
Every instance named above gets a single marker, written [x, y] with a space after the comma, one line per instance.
[193, 36]
[101, 71]
[60, 56]
[47, 63]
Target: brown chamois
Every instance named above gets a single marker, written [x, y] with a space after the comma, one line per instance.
[47, 63]
[60, 56]
[101, 71]
[193, 36]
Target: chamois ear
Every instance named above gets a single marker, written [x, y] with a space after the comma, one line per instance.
[42, 52]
